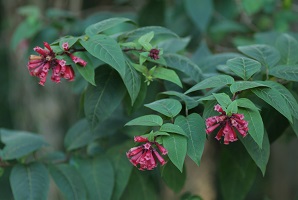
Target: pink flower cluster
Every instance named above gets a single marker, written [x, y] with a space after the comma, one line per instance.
[154, 54]
[40, 65]
[145, 155]
[228, 125]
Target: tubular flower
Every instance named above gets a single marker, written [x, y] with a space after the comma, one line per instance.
[227, 125]
[40, 65]
[154, 54]
[75, 59]
[144, 156]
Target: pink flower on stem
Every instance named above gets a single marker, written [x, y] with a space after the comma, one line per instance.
[144, 156]
[65, 46]
[78, 60]
[227, 125]
[40, 65]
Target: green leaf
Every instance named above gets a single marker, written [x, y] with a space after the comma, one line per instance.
[212, 82]
[244, 67]
[189, 102]
[288, 48]
[105, 24]
[177, 148]
[167, 74]
[255, 124]
[246, 103]
[107, 50]
[19, 143]
[251, 7]
[275, 99]
[237, 173]
[200, 12]
[223, 99]
[146, 120]
[69, 181]
[132, 81]
[144, 40]
[78, 135]
[184, 65]
[286, 94]
[173, 177]
[88, 71]
[140, 186]
[259, 154]
[172, 128]
[30, 181]
[244, 85]
[137, 33]
[98, 175]
[295, 126]
[286, 72]
[99, 101]
[232, 108]
[167, 107]
[122, 168]
[194, 126]
[209, 109]
[265, 54]
[69, 39]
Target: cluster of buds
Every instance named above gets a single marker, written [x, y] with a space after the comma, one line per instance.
[154, 54]
[144, 156]
[39, 65]
[227, 125]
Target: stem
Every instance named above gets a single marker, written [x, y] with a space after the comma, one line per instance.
[235, 95]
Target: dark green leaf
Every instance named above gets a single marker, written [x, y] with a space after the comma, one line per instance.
[237, 172]
[132, 81]
[184, 65]
[223, 99]
[265, 54]
[167, 107]
[212, 82]
[107, 50]
[167, 74]
[194, 126]
[244, 85]
[286, 94]
[69, 39]
[295, 126]
[69, 181]
[255, 124]
[172, 128]
[88, 71]
[232, 107]
[275, 99]
[246, 103]
[19, 143]
[140, 186]
[189, 102]
[173, 177]
[200, 12]
[252, 7]
[105, 24]
[244, 67]
[288, 48]
[98, 175]
[78, 135]
[100, 102]
[177, 148]
[30, 182]
[146, 120]
[122, 168]
[286, 72]
[158, 31]
[259, 154]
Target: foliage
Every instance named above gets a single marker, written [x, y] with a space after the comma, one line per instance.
[140, 81]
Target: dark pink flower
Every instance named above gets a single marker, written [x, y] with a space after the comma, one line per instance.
[227, 124]
[65, 46]
[154, 54]
[39, 66]
[78, 60]
[144, 156]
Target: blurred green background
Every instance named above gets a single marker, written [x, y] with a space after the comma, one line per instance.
[207, 27]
